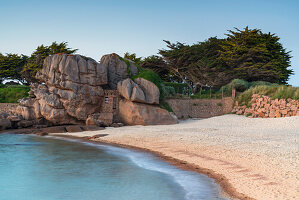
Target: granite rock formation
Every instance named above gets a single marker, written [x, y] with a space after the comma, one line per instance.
[139, 90]
[139, 106]
[72, 90]
[71, 87]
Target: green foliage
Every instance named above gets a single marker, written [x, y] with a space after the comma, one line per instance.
[128, 65]
[206, 93]
[158, 65]
[274, 91]
[167, 91]
[256, 83]
[36, 60]
[11, 66]
[239, 84]
[166, 106]
[12, 93]
[256, 56]
[219, 104]
[132, 57]
[197, 64]
[150, 76]
[180, 88]
[248, 114]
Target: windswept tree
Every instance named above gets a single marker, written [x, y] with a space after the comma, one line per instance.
[133, 57]
[196, 64]
[36, 60]
[256, 56]
[11, 66]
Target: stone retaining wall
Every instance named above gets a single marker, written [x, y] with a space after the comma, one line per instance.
[265, 107]
[200, 108]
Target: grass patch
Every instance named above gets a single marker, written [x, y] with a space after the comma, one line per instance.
[12, 93]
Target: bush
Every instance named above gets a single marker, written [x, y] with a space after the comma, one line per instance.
[180, 88]
[154, 78]
[12, 93]
[239, 84]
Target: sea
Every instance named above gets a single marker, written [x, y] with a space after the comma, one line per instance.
[54, 168]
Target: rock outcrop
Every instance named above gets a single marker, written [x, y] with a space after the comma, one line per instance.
[117, 69]
[71, 87]
[139, 90]
[139, 106]
[132, 113]
[265, 107]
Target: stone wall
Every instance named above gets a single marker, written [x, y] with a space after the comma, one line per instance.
[111, 104]
[265, 107]
[200, 108]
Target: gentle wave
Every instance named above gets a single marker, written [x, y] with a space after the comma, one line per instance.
[196, 186]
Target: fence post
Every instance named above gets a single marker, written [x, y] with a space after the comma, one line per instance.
[221, 92]
[233, 92]
[210, 92]
[200, 92]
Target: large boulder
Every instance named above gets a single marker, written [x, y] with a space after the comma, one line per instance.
[150, 90]
[142, 91]
[117, 69]
[70, 90]
[5, 124]
[132, 113]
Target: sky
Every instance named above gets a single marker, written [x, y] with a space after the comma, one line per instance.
[99, 27]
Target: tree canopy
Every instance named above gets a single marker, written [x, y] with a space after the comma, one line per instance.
[11, 65]
[36, 60]
[245, 54]
[256, 56]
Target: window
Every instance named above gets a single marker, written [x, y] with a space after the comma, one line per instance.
[106, 99]
[114, 103]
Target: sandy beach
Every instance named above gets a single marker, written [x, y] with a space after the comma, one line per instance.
[250, 158]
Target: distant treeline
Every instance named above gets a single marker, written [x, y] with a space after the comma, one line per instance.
[247, 54]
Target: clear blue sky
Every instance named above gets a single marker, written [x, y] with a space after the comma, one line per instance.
[99, 27]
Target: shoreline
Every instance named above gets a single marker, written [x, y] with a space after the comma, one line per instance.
[226, 189]
[248, 158]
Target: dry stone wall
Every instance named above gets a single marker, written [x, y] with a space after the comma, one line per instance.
[200, 108]
[265, 107]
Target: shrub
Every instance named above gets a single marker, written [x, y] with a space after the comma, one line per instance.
[239, 84]
[180, 88]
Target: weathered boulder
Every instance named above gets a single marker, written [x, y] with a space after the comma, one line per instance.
[151, 91]
[99, 119]
[132, 113]
[25, 123]
[73, 129]
[5, 124]
[117, 69]
[142, 91]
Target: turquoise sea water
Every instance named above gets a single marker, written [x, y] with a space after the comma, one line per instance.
[45, 168]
